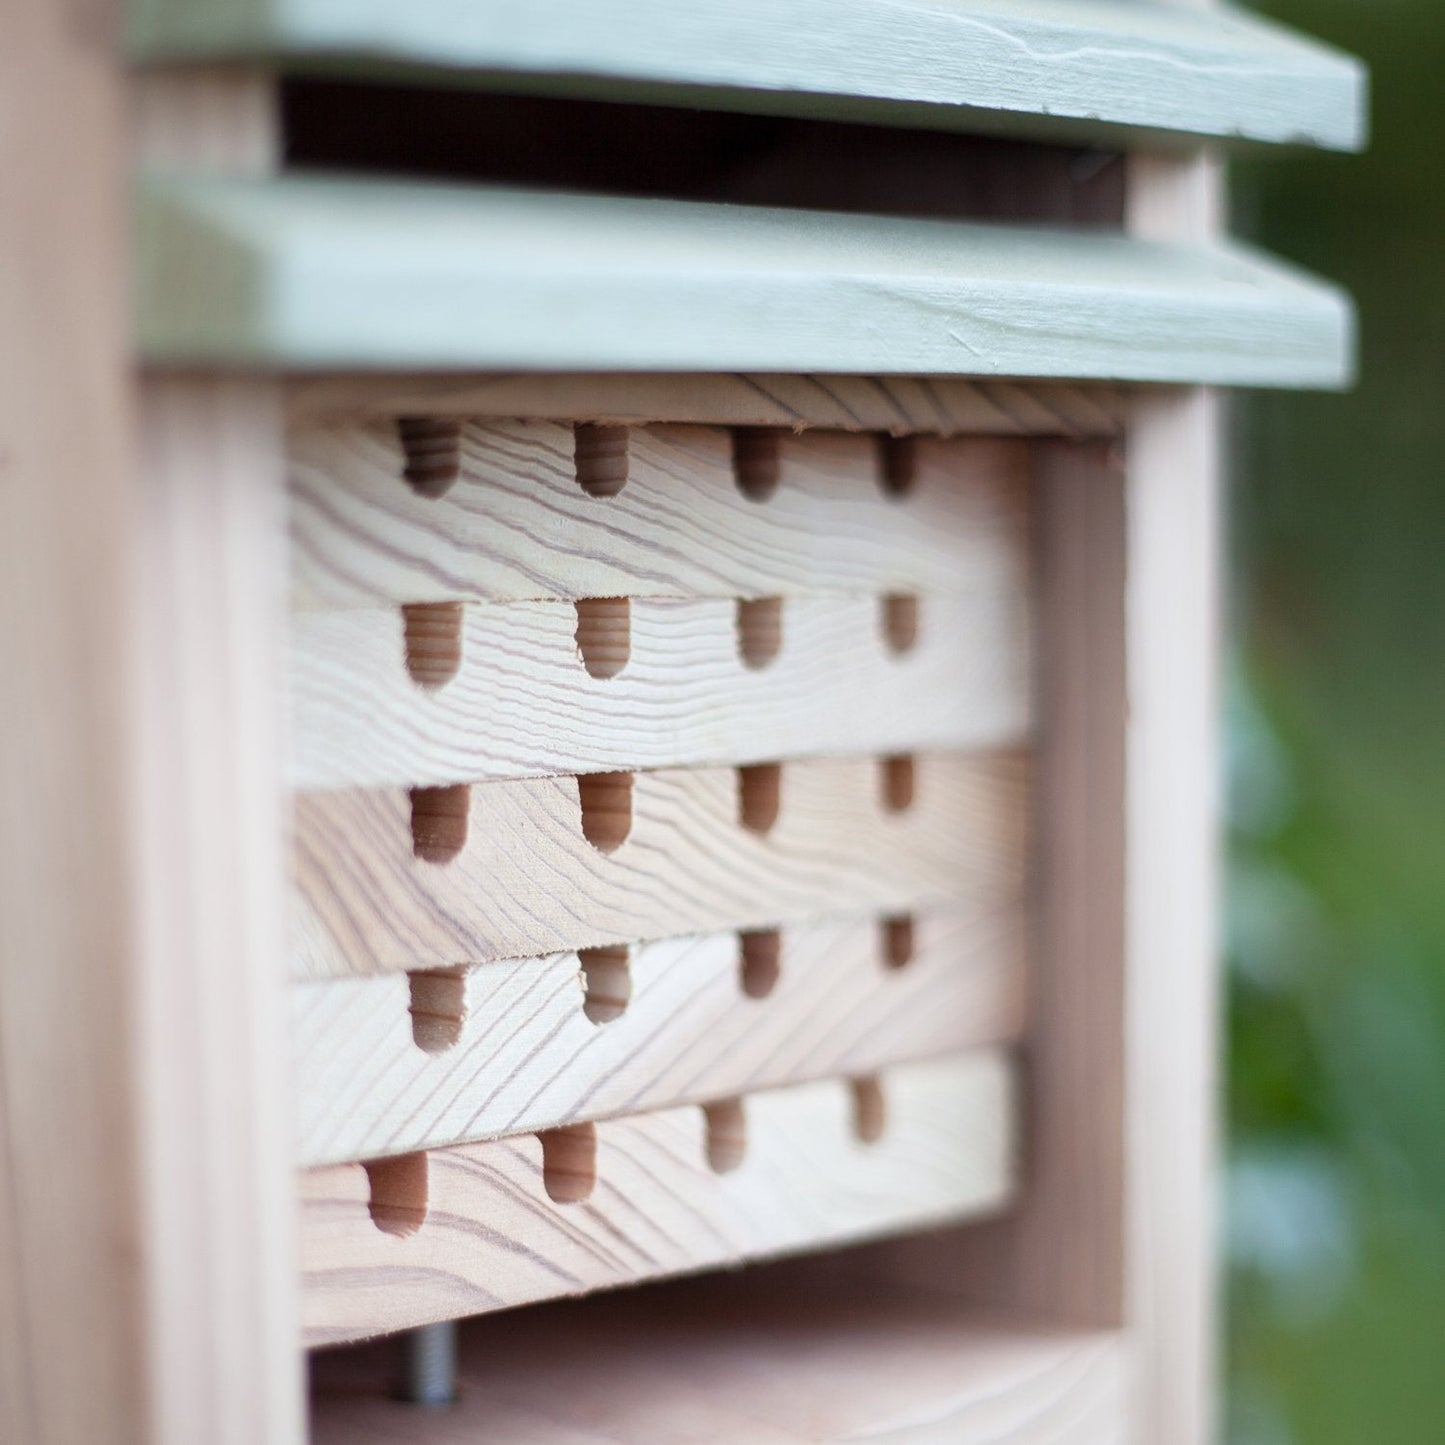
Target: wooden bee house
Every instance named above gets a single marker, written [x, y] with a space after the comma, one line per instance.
[609, 619]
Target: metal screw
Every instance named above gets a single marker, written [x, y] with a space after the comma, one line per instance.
[429, 1365]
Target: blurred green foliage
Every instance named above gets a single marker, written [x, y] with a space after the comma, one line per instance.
[1336, 922]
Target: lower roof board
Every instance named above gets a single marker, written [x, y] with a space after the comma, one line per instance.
[313, 274]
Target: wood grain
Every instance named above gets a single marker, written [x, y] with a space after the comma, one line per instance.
[491, 1236]
[527, 879]
[937, 405]
[324, 273]
[73, 1364]
[696, 1022]
[211, 999]
[517, 523]
[1027, 67]
[523, 702]
[742, 1358]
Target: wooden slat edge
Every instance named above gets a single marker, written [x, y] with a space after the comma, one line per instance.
[522, 700]
[472, 1229]
[897, 405]
[545, 866]
[416, 510]
[394, 1064]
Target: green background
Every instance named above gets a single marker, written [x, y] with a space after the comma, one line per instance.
[1335, 1201]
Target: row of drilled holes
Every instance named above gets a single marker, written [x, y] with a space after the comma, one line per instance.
[439, 816]
[432, 448]
[438, 996]
[398, 1186]
[433, 634]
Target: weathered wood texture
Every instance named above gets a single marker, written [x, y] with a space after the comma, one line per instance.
[1026, 66]
[895, 405]
[211, 1000]
[325, 273]
[473, 1228]
[543, 509]
[388, 1065]
[674, 852]
[73, 1364]
[536, 688]
[739, 1358]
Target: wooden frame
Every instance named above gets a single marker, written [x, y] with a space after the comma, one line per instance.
[144, 961]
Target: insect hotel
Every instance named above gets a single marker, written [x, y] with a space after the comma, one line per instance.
[610, 614]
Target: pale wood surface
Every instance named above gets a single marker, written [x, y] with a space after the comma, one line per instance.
[217, 1113]
[940, 405]
[73, 1364]
[737, 1358]
[1060, 1254]
[527, 880]
[491, 1236]
[943, 517]
[523, 702]
[1172, 863]
[1007, 64]
[316, 273]
[524, 1054]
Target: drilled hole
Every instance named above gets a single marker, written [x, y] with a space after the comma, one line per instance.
[439, 822]
[569, 1163]
[760, 790]
[869, 1113]
[727, 1135]
[604, 634]
[897, 941]
[438, 1008]
[606, 982]
[898, 784]
[897, 465]
[760, 629]
[398, 1193]
[433, 451]
[600, 453]
[761, 953]
[433, 641]
[606, 809]
[756, 451]
[900, 621]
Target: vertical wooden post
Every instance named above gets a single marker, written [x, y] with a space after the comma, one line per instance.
[1173, 767]
[70, 1265]
[218, 1185]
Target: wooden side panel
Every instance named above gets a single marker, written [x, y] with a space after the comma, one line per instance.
[219, 1208]
[73, 1363]
[543, 509]
[483, 1226]
[534, 688]
[388, 1065]
[543, 865]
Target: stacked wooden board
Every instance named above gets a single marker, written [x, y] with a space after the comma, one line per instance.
[660, 849]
